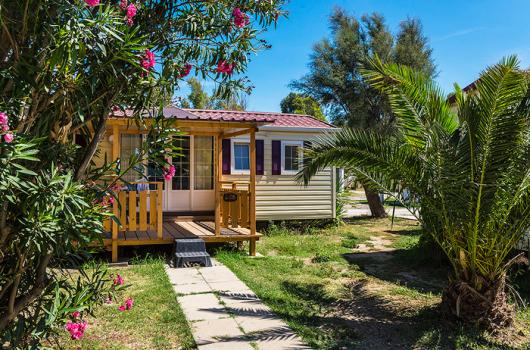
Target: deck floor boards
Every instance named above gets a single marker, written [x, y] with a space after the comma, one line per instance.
[172, 230]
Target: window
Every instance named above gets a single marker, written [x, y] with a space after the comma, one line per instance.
[292, 156]
[241, 157]
[203, 153]
[181, 180]
[130, 146]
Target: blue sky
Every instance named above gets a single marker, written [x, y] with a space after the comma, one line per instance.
[465, 36]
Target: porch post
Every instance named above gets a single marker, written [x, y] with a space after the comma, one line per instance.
[115, 208]
[252, 189]
[217, 181]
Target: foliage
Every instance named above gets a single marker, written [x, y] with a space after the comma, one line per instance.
[302, 104]
[200, 99]
[467, 164]
[335, 78]
[65, 68]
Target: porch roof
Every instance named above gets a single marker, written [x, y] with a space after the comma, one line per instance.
[188, 114]
[284, 120]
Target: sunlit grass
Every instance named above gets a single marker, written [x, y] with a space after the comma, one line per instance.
[155, 322]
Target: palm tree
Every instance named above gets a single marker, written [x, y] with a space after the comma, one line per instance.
[467, 163]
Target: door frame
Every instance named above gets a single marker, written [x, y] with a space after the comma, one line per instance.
[199, 200]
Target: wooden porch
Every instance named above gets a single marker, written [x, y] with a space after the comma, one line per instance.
[139, 210]
[172, 230]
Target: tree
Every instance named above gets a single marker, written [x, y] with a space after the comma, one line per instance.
[200, 99]
[335, 81]
[65, 65]
[466, 164]
[302, 104]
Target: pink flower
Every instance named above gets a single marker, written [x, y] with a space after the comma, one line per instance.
[108, 300]
[3, 118]
[76, 329]
[131, 12]
[148, 61]
[169, 173]
[240, 19]
[127, 305]
[5, 127]
[76, 314]
[92, 3]
[225, 67]
[111, 200]
[8, 138]
[185, 71]
[118, 281]
[123, 4]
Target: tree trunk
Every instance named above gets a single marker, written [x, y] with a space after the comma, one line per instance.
[374, 202]
[486, 307]
[91, 150]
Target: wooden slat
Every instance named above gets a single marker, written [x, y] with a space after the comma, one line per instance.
[143, 211]
[152, 210]
[159, 218]
[243, 195]
[142, 235]
[122, 198]
[225, 211]
[234, 212]
[132, 211]
[106, 225]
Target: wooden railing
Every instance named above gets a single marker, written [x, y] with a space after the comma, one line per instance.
[138, 210]
[235, 204]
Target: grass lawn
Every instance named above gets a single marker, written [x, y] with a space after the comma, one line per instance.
[336, 298]
[155, 322]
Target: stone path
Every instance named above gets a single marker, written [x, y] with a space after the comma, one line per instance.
[225, 314]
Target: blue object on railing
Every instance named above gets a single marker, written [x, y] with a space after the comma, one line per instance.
[142, 187]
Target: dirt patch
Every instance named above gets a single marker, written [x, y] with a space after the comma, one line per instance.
[383, 322]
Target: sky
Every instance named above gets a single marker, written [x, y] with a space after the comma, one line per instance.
[466, 37]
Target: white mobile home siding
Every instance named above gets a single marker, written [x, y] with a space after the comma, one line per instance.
[280, 197]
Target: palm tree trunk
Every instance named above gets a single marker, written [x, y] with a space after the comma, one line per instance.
[486, 307]
[374, 202]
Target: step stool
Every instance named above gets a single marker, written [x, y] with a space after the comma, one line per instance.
[191, 251]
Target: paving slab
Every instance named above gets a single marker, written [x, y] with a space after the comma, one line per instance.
[202, 307]
[184, 276]
[192, 288]
[228, 345]
[259, 322]
[212, 331]
[235, 286]
[216, 274]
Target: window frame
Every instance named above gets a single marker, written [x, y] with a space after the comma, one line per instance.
[233, 170]
[299, 144]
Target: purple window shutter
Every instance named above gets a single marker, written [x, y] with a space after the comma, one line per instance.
[227, 156]
[276, 157]
[260, 155]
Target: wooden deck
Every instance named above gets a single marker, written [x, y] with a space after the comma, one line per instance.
[181, 229]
